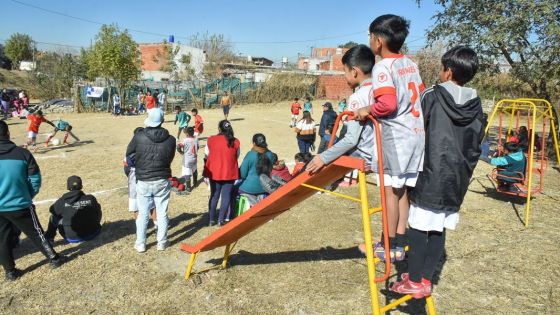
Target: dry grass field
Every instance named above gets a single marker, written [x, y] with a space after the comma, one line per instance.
[303, 262]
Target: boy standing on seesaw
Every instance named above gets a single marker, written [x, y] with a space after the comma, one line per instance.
[396, 103]
[454, 130]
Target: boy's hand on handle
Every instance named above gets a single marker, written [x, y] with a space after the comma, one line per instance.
[315, 164]
[362, 113]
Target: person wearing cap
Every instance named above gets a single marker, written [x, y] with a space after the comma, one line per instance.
[154, 150]
[20, 181]
[75, 215]
[249, 176]
[328, 118]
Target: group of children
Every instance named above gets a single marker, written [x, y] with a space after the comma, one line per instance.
[430, 139]
[36, 119]
[13, 100]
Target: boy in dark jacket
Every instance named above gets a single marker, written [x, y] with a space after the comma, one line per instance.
[329, 117]
[454, 129]
[76, 216]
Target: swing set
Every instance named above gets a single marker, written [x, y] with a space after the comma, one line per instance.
[535, 110]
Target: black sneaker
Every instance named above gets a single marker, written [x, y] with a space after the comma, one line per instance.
[12, 275]
[221, 223]
[57, 262]
[212, 223]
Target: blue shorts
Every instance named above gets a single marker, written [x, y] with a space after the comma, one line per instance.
[226, 109]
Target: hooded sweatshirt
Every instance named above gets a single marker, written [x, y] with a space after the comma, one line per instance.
[20, 177]
[154, 151]
[454, 130]
[81, 214]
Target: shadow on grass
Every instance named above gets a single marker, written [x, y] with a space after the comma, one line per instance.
[71, 145]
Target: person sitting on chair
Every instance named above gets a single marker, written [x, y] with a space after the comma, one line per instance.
[510, 165]
[75, 215]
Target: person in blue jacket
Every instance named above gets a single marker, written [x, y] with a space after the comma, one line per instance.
[249, 177]
[511, 165]
[20, 181]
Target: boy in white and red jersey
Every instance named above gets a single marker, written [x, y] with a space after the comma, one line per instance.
[396, 103]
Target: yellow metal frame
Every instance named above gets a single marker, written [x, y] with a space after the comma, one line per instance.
[376, 308]
[539, 109]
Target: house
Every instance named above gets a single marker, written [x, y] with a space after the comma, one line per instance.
[262, 61]
[323, 60]
[154, 60]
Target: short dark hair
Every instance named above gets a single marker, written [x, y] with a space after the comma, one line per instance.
[39, 112]
[392, 28]
[4, 130]
[194, 110]
[511, 146]
[463, 63]
[361, 57]
[177, 107]
[189, 131]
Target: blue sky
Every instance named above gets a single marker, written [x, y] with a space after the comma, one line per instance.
[240, 21]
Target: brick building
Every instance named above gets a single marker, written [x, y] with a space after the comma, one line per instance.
[323, 59]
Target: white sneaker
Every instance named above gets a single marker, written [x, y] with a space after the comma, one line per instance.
[161, 247]
[140, 248]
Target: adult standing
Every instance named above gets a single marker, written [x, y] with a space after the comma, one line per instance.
[19, 183]
[225, 102]
[305, 129]
[140, 100]
[154, 150]
[221, 169]
[161, 99]
[116, 104]
[329, 117]
[5, 102]
[156, 97]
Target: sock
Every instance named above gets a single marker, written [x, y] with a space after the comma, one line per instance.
[65, 138]
[401, 240]
[48, 140]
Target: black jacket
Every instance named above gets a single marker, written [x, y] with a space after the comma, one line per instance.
[154, 151]
[81, 214]
[329, 117]
[453, 136]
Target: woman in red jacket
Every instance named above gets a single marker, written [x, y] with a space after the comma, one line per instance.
[221, 168]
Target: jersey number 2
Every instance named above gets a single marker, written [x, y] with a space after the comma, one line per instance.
[412, 87]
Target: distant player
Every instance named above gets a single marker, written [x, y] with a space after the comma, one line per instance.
[62, 125]
[182, 118]
[35, 121]
[198, 123]
[189, 149]
[296, 107]
[225, 102]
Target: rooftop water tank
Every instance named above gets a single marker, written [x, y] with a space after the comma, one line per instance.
[171, 38]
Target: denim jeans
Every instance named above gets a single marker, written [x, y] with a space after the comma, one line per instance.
[153, 192]
[219, 188]
[304, 146]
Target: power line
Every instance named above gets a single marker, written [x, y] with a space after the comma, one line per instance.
[184, 37]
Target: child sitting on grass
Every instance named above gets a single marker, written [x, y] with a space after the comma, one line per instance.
[280, 169]
[454, 128]
[301, 160]
[359, 140]
[189, 149]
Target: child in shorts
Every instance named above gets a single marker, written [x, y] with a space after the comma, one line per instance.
[65, 126]
[454, 123]
[35, 121]
[183, 119]
[189, 148]
[396, 104]
[296, 107]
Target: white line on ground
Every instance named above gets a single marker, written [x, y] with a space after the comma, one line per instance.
[101, 192]
[58, 156]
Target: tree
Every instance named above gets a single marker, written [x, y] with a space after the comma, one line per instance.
[524, 33]
[218, 52]
[114, 55]
[349, 44]
[19, 47]
[429, 63]
[55, 74]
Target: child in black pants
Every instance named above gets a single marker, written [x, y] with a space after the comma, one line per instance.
[454, 129]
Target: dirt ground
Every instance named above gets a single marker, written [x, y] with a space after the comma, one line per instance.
[303, 262]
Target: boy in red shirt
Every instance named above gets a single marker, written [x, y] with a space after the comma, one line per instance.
[150, 101]
[198, 125]
[35, 121]
[296, 107]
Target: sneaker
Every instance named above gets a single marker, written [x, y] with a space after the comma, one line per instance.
[13, 274]
[427, 284]
[58, 261]
[212, 223]
[141, 248]
[162, 247]
[221, 223]
[416, 290]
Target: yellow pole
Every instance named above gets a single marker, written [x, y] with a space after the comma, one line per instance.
[369, 243]
[491, 118]
[190, 265]
[530, 164]
[430, 305]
